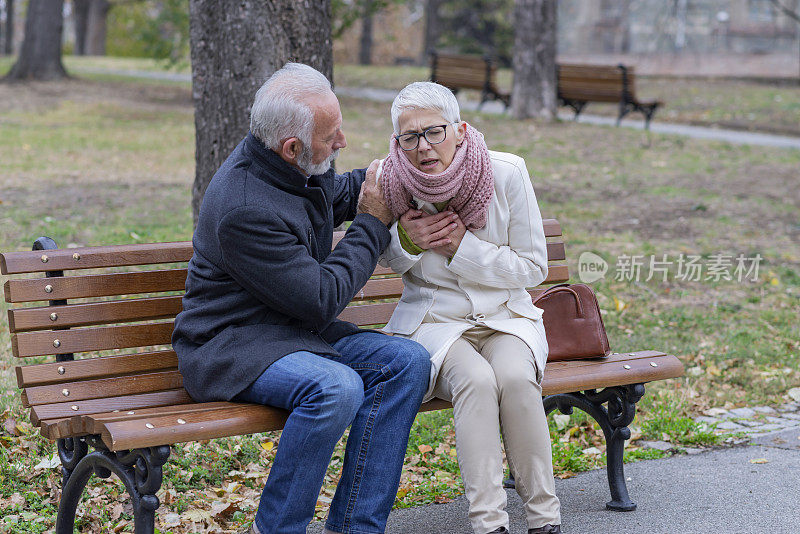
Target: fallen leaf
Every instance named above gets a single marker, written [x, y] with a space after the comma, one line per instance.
[116, 511]
[196, 515]
[222, 509]
[170, 520]
[10, 426]
[621, 305]
[267, 445]
[424, 448]
[49, 463]
[561, 421]
[759, 461]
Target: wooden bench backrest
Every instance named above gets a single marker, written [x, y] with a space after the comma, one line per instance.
[597, 83]
[456, 71]
[114, 309]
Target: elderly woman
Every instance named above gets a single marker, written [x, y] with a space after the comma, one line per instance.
[469, 240]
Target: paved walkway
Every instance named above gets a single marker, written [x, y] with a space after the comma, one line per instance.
[636, 122]
[745, 489]
[387, 95]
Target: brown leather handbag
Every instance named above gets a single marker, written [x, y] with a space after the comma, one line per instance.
[572, 323]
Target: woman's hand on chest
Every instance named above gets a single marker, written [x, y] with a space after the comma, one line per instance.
[454, 238]
[430, 231]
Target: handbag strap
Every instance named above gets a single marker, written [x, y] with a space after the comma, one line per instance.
[562, 287]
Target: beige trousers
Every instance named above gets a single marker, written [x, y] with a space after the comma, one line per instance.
[490, 377]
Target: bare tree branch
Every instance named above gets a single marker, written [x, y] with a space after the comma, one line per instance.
[786, 11]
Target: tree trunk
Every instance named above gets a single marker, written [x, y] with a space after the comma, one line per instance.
[40, 55]
[365, 45]
[234, 50]
[8, 46]
[96, 27]
[433, 26]
[534, 90]
[80, 9]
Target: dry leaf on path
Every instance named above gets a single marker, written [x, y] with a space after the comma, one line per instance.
[759, 461]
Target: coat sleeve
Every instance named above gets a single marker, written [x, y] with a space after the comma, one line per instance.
[272, 262]
[395, 256]
[521, 263]
[346, 188]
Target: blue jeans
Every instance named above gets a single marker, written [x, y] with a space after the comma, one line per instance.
[375, 387]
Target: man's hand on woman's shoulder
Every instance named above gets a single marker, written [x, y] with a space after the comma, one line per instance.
[370, 199]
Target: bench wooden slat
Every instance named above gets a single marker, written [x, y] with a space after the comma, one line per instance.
[93, 313]
[601, 374]
[380, 288]
[614, 357]
[56, 428]
[556, 274]
[552, 228]
[76, 392]
[368, 314]
[93, 368]
[96, 285]
[236, 420]
[556, 252]
[91, 422]
[125, 402]
[94, 257]
[44, 342]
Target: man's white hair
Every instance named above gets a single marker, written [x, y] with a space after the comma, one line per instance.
[281, 110]
[425, 95]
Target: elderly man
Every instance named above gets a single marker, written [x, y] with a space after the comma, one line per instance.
[262, 296]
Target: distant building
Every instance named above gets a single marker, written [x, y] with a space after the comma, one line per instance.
[612, 27]
[676, 26]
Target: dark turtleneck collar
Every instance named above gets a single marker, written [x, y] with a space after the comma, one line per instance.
[274, 165]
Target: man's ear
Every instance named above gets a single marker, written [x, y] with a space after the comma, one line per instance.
[290, 150]
[461, 132]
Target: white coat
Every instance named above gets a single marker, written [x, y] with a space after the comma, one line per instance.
[484, 283]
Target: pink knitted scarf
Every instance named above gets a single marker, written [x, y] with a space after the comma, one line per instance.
[468, 182]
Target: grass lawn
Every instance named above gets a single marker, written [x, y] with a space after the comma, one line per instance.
[104, 161]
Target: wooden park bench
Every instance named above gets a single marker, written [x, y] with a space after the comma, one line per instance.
[581, 84]
[457, 72]
[124, 397]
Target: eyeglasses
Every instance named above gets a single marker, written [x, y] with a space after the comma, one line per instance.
[433, 135]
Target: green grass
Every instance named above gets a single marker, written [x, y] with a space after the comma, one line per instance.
[99, 161]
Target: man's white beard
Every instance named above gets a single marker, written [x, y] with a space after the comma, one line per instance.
[304, 162]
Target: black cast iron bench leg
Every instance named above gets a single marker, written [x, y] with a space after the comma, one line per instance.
[139, 469]
[614, 421]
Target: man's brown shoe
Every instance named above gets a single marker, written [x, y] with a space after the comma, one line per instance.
[547, 529]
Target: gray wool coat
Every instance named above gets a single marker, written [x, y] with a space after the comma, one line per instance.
[263, 281]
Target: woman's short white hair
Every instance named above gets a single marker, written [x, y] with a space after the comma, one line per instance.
[425, 95]
[280, 109]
